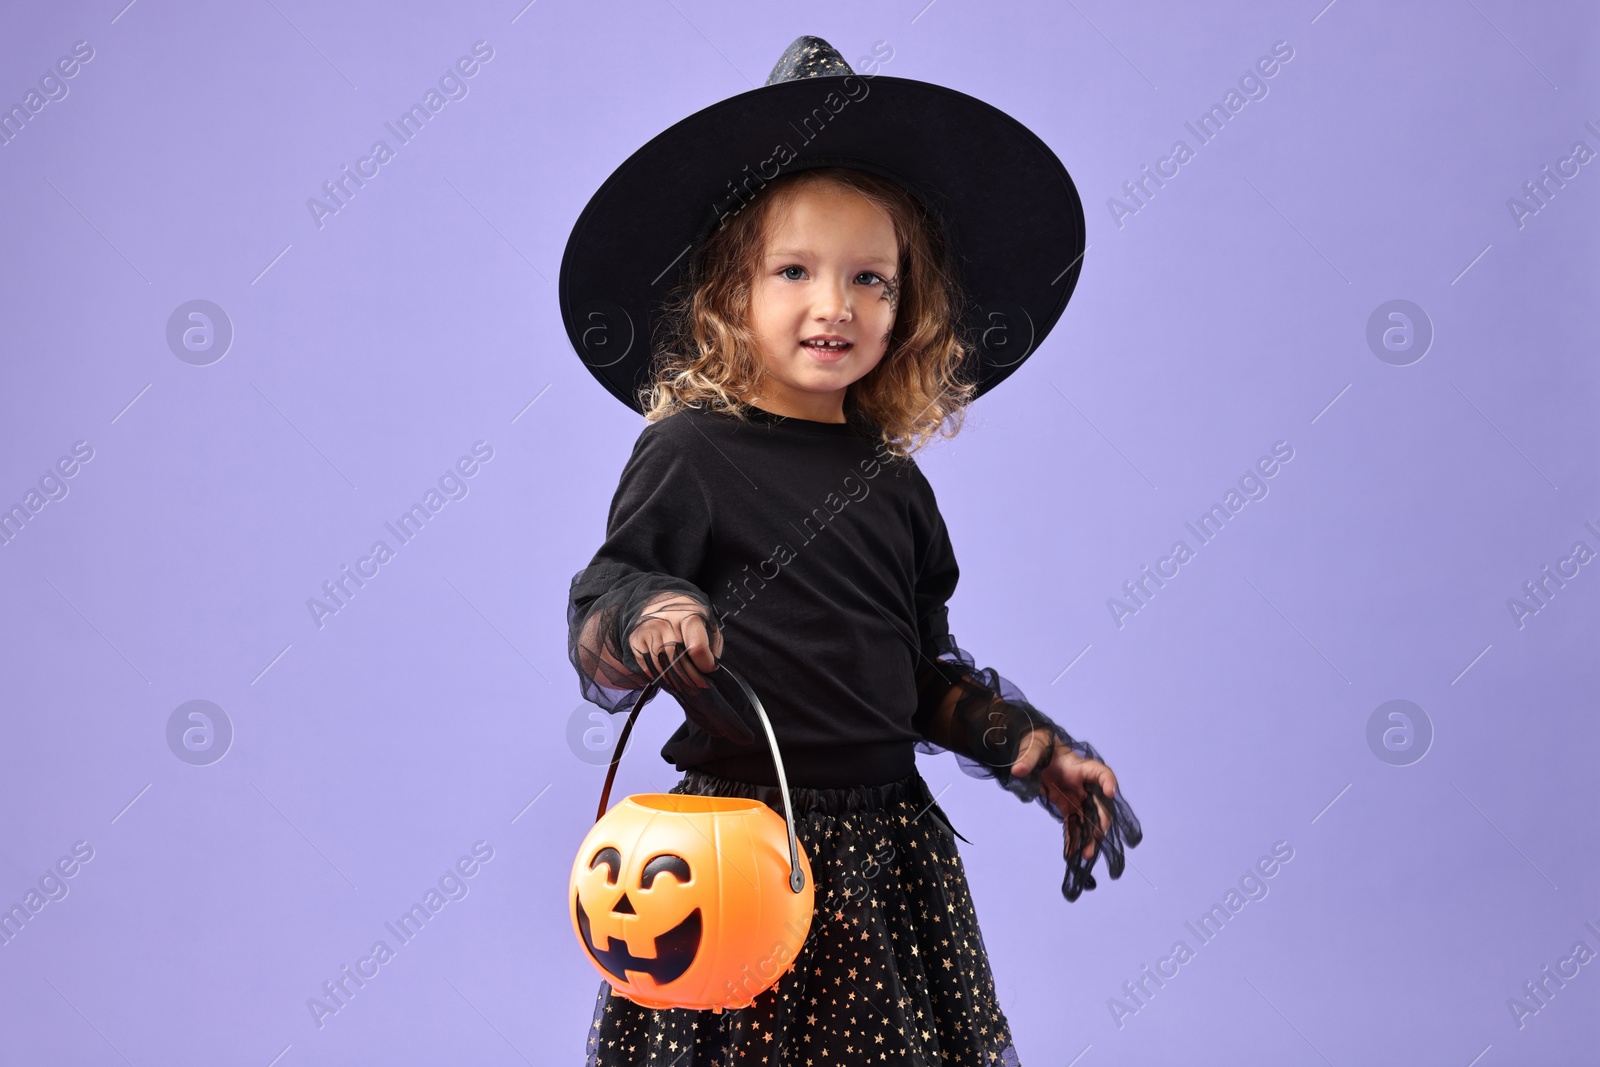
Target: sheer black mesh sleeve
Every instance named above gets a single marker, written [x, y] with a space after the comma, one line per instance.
[608, 600]
[658, 534]
[992, 718]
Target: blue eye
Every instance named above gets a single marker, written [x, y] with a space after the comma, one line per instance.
[785, 273]
[873, 275]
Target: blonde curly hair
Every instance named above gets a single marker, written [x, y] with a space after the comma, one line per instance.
[707, 355]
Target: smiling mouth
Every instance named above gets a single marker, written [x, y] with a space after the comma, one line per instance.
[675, 950]
[827, 350]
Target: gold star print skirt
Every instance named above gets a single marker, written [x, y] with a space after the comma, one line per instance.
[893, 969]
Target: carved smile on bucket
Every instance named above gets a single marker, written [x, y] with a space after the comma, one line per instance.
[675, 948]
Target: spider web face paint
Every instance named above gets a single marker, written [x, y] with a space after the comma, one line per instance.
[891, 292]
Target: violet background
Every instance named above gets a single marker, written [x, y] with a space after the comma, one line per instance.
[1226, 315]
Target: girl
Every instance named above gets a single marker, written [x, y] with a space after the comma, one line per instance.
[819, 334]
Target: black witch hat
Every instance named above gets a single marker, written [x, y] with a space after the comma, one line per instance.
[1008, 207]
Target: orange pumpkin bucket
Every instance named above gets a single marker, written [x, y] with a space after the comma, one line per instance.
[686, 901]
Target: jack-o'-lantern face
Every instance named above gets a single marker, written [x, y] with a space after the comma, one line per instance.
[675, 947]
[685, 901]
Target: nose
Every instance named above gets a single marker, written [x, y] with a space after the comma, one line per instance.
[833, 302]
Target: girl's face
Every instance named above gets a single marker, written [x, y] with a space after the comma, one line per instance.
[824, 300]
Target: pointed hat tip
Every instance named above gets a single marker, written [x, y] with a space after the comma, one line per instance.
[808, 57]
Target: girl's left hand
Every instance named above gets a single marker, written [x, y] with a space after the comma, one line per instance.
[1064, 782]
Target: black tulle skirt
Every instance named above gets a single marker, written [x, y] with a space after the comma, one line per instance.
[893, 969]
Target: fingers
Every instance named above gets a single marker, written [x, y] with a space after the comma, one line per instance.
[699, 644]
[687, 628]
[1083, 794]
[1108, 788]
[1094, 796]
[666, 667]
[1082, 811]
[663, 653]
[681, 676]
[676, 646]
[639, 645]
[1077, 840]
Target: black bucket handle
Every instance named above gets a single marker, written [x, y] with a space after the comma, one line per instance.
[797, 878]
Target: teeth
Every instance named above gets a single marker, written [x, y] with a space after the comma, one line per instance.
[826, 344]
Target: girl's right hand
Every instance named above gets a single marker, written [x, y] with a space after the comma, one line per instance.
[674, 640]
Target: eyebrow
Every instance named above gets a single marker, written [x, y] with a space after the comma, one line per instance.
[801, 253]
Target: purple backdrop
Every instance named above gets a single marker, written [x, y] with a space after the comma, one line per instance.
[1378, 260]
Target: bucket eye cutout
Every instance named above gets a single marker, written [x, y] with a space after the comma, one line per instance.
[613, 861]
[676, 866]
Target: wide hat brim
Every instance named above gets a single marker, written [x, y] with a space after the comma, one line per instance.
[1008, 206]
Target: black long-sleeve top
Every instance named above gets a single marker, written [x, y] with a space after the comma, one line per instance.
[826, 563]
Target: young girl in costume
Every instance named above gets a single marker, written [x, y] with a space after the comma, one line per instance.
[799, 287]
